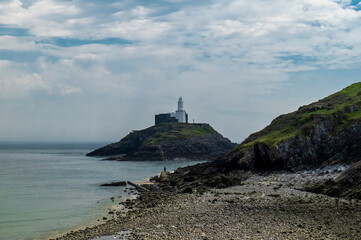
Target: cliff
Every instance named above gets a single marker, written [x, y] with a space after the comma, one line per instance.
[324, 132]
[168, 141]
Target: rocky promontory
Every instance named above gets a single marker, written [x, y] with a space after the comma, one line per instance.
[321, 134]
[168, 141]
[260, 183]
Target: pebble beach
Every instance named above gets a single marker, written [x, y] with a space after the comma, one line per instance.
[263, 207]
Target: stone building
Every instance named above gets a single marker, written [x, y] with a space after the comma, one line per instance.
[180, 115]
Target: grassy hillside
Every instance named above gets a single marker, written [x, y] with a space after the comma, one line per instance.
[174, 132]
[344, 106]
[169, 140]
[168, 132]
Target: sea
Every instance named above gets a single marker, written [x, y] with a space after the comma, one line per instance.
[49, 188]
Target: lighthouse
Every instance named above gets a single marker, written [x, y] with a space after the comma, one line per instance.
[180, 115]
[180, 104]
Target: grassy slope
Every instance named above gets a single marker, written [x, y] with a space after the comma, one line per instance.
[178, 132]
[286, 126]
[168, 132]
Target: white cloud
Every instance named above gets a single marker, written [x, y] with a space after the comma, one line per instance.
[68, 90]
[223, 56]
[141, 11]
[15, 84]
[258, 32]
[137, 29]
[17, 43]
[43, 18]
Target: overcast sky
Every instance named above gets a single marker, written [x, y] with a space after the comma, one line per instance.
[95, 70]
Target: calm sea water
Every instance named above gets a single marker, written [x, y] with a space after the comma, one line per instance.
[47, 188]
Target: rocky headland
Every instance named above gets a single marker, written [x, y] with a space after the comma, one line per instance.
[322, 134]
[298, 178]
[168, 141]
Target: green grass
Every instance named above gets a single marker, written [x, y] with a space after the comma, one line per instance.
[197, 131]
[175, 132]
[305, 118]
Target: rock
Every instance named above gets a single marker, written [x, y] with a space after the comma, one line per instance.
[115, 184]
[324, 133]
[347, 184]
[188, 190]
[167, 142]
[163, 177]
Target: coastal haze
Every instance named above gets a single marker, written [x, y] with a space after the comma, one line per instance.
[95, 70]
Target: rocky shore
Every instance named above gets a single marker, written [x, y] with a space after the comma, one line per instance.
[264, 206]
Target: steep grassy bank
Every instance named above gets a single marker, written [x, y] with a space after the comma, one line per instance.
[343, 107]
[323, 132]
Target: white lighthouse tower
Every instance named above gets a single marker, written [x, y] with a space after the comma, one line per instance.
[181, 114]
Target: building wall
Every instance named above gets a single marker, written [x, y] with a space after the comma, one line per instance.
[178, 116]
[181, 116]
[164, 118]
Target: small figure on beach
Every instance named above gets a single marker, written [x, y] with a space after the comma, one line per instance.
[165, 169]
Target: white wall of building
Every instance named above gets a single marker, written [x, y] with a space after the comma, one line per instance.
[181, 116]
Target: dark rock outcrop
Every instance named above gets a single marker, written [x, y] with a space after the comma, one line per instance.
[168, 141]
[347, 184]
[322, 146]
[114, 184]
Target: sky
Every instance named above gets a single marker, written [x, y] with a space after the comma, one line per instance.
[92, 70]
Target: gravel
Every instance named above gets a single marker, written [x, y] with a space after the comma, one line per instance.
[263, 207]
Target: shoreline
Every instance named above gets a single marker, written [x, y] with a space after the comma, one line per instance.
[107, 206]
[263, 206]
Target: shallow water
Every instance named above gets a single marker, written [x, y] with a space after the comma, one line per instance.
[46, 188]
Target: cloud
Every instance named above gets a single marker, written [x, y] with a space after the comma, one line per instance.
[16, 84]
[70, 90]
[133, 58]
[43, 18]
[17, 43]
[251, 32]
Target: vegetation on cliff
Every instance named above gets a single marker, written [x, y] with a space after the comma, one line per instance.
[171, 132]
[321, 134]
[169, 141]
[344, 107]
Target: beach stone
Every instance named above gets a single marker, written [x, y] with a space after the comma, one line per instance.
[164, 176]
[253, 213]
